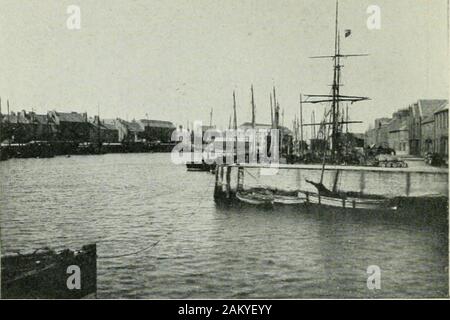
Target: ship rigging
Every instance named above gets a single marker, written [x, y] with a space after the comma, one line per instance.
[335, 113]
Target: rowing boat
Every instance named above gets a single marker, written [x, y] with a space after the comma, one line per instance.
[289, 199]
[364, 203]
[255, 198]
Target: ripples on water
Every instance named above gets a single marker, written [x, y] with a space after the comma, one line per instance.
[125, 202]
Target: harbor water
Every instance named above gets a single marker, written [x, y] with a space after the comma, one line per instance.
[159, 234]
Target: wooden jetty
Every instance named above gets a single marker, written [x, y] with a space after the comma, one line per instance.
[46, 274]
[368, 186]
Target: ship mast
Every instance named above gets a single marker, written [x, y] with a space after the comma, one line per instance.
[210, 118]
[335, 97]
[301, 125]
[335, 87]
[253, 110]
[234, 112]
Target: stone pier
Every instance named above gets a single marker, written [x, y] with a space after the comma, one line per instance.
[388, 182]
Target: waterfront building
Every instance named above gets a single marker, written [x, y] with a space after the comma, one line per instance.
[441, 130]
[421, 125]
[44, 129]
[382, 132]
[127, 131]
[25, 126]
[413, 130]
[102, 132]
[157, 130]
[398, 138]
[118, 125]
[111, 132]
[72, 126]
[427, 136]
[16, 127]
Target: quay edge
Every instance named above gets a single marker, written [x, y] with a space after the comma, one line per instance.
[414, 185]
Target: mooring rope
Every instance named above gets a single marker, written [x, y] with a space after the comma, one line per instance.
[130, 253]
[256, 179]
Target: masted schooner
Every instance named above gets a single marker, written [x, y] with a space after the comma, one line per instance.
[331, 133]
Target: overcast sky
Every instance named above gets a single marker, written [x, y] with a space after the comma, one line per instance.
[174, 60]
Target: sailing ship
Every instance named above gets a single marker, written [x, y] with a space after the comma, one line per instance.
[330, 131]
[207, 165]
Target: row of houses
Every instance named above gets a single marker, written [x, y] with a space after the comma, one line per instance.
[25, 126]
[417, 130]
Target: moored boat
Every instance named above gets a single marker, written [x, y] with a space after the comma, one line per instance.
[202, 166]
[289, 199]
[345, 202]
[255, 198]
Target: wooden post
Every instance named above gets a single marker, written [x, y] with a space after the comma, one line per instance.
[221, 178]
[216, 183]
[336, 179]
[408, 183]
[228, 182]
[240, 184]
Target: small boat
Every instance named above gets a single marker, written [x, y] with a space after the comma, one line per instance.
[350, 202]
[202, 166]
[289, 200]
[255, 198]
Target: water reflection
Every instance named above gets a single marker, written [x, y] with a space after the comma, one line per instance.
[126, 202]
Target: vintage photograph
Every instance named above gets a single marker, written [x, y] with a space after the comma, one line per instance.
[241, 149]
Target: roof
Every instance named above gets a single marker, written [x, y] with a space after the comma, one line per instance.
[381, 122]
[427, 119]
[109, 126]
[70, 116]
[133, 126]
[110, 121]
[443, 107]
[427, 107]
[157, 123]
[398, 124]
[15, 118]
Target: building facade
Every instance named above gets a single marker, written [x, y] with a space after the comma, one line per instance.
[421, 127]
[441, 130]
[157, 130]
[102, 132]
[72, 126]
[398, 138]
